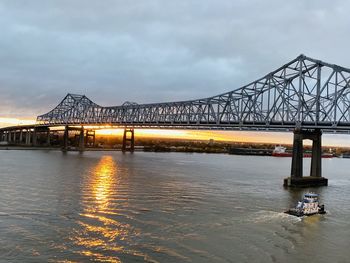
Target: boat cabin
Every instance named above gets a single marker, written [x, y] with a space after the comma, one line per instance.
[310, 198]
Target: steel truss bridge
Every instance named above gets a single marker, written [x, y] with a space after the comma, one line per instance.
[305, 93]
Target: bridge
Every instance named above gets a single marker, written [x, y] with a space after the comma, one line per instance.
[306, 96]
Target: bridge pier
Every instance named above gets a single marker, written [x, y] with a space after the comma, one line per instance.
[9, 137]
[81, 139]
[28, 137]
[35, 137]
[296, 178]
[48, 138]
[65, 139]
[14, 140]
[128, 142]
[20, 136]
[90, 134]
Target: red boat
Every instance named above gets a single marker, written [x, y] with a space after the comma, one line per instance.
[280, 151]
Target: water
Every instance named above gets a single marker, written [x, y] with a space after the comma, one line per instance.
[164, 207]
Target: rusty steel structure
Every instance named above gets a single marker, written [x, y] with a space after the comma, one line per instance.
[305, 93]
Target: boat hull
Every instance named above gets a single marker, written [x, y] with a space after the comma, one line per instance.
[306, 155]
[298, 213]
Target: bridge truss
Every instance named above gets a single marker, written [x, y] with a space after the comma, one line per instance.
[305, 93]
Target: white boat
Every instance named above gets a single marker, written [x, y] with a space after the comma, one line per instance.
[308, 206]
[280, 151]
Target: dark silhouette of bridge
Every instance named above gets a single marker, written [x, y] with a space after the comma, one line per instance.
[306, 95]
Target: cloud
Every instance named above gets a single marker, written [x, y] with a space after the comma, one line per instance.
[153, 51]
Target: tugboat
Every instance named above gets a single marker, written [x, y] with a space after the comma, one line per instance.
[307, 207]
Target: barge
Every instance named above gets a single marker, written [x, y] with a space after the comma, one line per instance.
[280, 151]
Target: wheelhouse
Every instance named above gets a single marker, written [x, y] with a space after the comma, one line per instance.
[310, 198]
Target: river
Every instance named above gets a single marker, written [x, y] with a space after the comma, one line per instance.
[165, 207]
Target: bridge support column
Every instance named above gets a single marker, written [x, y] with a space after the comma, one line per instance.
[9, 138]
[20, 136]
[297, 157]
[35, 137]
[296, 178]
[128, 142]
[65, 138]
[316, 159]
[48, 139]
[15, 136]
[28, 136]
[90, 134]
[81, 139]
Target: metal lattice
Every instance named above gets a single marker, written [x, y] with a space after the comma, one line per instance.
[304, 93]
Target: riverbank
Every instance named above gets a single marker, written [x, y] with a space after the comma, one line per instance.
[188, 147]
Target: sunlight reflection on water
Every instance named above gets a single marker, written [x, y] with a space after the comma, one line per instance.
[97, 231]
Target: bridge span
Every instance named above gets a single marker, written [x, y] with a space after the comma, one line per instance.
[306, 96]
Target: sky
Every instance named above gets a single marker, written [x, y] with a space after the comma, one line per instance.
[154, 51]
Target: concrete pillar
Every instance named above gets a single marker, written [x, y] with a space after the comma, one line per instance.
[297, 157]
[28, 137]
[20, 136]
[296, 178]
[132, 141]
[48, 142]
[128, 142]
[316, 159]
[35, 137]
[124, 141]
[65, 138]
[9, 136]
[81, 139]
[90, 134]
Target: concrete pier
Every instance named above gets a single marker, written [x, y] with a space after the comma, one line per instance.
[128, 140]
[34, 143]
[48, 138]
[296, 178]
[90, 138]
[28, 137]
[81, 140]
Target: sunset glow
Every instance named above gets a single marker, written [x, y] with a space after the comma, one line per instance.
[205, 135]
[195, 135]
[15, 121]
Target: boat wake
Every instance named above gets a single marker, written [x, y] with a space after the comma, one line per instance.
[264, 216]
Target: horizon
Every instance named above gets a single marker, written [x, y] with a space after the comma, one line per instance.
[268, 137]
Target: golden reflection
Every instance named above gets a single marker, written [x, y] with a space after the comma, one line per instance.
[103, 182]
[96, 230]
[100, 235]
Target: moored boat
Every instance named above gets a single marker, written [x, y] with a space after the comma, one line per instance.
[281, 151]
[307, 207]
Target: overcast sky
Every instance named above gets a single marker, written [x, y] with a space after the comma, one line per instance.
[153, 51]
